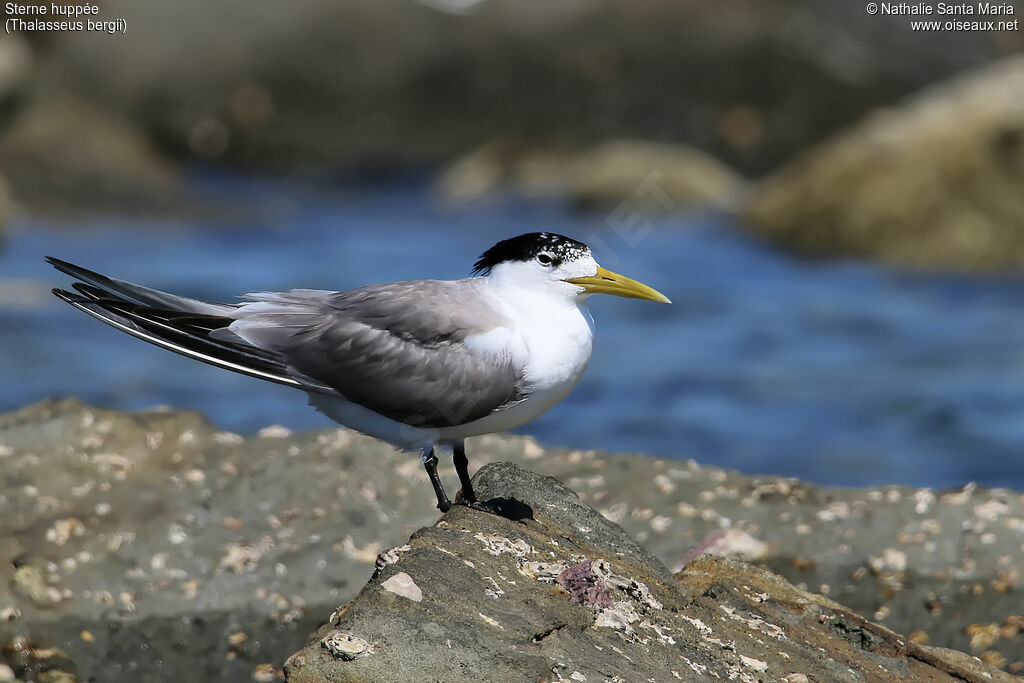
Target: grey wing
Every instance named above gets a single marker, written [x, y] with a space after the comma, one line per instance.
[398, 349]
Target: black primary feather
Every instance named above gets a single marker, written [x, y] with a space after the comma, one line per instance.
[177, 324]
[527, 247]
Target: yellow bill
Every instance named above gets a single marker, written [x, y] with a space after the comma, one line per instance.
[607, 282]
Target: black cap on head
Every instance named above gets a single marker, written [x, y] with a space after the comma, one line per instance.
[526, 247]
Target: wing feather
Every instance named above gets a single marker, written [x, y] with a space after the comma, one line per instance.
[398, 349]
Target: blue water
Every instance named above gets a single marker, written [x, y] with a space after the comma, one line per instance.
[836, 372]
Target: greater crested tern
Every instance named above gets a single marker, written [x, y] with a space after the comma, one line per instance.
[419, 364]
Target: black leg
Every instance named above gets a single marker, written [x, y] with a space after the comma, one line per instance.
[430, 465]
[462, 467]
[468, 497]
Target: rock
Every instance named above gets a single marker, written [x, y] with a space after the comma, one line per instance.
[500, 167]
[15, 70]
[561, 593]
[6, 206]
[933, 183]
[16, 63]
[63, 155]
[181, 550]
[307, 84]
[159, 547]
[649, 177]
[30, 583]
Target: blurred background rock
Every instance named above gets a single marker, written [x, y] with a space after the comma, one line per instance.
[322, 86]
[935, 182]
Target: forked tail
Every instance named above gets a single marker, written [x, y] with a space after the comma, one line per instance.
[175, 323]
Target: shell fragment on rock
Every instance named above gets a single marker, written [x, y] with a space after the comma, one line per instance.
[402, 584]
[346, 646]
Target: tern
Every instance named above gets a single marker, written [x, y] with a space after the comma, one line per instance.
[422, 365]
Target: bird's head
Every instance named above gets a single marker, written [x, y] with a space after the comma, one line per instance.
[544, 260]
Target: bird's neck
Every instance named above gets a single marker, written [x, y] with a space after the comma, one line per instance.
[530, 297]
[556, 331]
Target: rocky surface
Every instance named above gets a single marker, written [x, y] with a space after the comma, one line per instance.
[643, 176]
[149, 546]
[558, 592]
[934, 182]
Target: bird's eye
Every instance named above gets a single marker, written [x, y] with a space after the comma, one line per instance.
[545, 259]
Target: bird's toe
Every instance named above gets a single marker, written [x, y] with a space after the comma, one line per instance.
[479, 505]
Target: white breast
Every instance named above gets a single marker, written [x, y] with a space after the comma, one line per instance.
[560, 341]
[552, 339]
